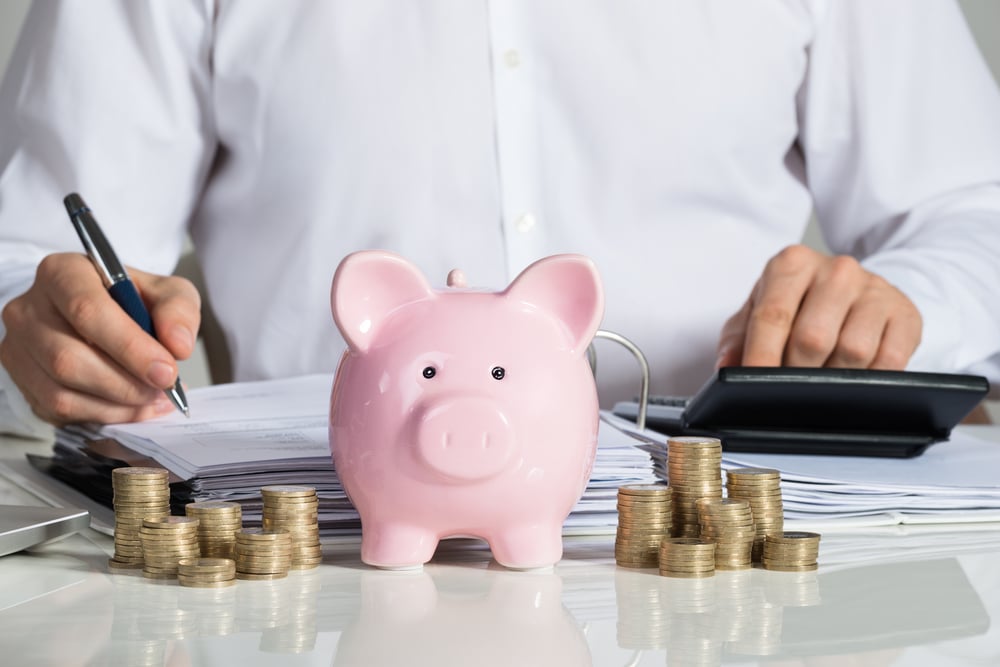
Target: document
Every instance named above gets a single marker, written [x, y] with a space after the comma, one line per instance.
[951, 482]
[246, 435]
[242, 436]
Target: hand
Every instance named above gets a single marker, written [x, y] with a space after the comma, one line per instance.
[809, 309]
[77, 356]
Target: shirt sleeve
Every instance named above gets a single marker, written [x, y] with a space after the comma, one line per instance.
[111, 99]
[900, 123]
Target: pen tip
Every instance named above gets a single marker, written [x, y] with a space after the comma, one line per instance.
[187, 413]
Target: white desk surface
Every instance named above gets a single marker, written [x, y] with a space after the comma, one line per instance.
[906, 596]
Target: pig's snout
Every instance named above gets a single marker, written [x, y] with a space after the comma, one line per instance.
[465, 439]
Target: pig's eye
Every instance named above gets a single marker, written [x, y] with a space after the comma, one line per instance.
[430, 372]
[498, 372]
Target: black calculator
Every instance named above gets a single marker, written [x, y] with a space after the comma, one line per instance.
[818, 410]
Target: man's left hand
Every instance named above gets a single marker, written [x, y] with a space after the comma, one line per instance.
[810, 309]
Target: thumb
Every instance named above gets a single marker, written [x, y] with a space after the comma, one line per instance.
[175, 306]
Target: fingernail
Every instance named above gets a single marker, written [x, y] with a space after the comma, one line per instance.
[160, 374]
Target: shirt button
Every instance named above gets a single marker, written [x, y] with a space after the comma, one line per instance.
[512, 58]
[524, 222]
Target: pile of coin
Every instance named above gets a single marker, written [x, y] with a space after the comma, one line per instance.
[295, 509]
[687, 557]
[218, 523]
[728, 523]
[165, 541]
[138, 493]
[644, 518]
[263, 554]
[791, 551]
[206, 572]
[694, 470]
[761, 487]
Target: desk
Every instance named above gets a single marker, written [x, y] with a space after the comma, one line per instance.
[910, 596]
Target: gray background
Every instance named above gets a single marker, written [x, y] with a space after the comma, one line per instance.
[983, 17]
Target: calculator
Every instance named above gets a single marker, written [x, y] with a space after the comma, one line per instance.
[832, 411]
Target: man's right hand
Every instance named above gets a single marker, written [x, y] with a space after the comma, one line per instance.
[78, 357]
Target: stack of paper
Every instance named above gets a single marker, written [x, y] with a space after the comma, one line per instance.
[247, 435]
[951, 482]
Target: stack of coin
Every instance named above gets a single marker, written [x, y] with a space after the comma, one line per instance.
[728, 523]
[206, 572]
[694, 470]
[263, 554]
[218, 522]
[762, 488]
[165, 541]
[687, 557]
[295, 509]
[138, 493]
[644, 512]
[791, 551]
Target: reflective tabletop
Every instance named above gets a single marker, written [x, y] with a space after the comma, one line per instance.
[905, 595]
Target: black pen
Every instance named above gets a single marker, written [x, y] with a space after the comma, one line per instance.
[115, 278]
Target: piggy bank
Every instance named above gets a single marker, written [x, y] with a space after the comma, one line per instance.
[460, 412]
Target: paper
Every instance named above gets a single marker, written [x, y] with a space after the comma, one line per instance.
[952, 482]
[246, 435]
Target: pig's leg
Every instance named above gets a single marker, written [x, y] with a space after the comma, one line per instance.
[396, 546]
[528, 546]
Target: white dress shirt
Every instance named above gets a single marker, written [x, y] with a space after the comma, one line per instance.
[680, 144]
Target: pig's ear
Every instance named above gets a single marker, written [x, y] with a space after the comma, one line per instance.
[367, 286]
[569, 287]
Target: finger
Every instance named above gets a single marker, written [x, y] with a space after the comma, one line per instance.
[780, 291]
[81, 300]
[51, 348]
[899, 341]
[861, 335]
[175, 310]
[882, 330]
[61, 405]
[822, 313]
[730, 346]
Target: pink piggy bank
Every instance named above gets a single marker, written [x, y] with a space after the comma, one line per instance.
[462, 412]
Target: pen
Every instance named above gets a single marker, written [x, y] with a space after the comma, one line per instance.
[115, 278]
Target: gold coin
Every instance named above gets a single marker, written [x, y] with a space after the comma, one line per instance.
[794, 536]
[287, 490]
[261, 535]
[170, 522]
[644, 489]
[135, 474]
[206, 564]
[299, 565]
